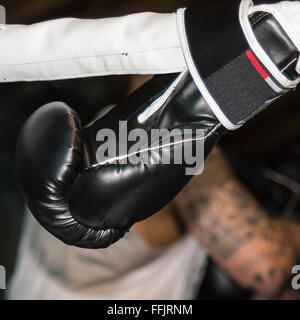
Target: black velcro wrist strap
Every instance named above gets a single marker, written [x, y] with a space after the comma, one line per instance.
[240, 88]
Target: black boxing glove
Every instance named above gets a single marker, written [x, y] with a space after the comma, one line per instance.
[90, 201]
[91, 204]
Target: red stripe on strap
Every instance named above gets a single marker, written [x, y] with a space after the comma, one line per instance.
[256, 64]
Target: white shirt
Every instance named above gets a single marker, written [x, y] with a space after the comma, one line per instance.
[129, 269]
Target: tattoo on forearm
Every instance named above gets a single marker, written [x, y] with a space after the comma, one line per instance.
[228, 225]
[227, 218]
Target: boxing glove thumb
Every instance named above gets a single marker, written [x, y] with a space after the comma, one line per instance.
[51, 144]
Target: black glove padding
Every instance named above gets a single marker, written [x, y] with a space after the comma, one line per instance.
[91, 205]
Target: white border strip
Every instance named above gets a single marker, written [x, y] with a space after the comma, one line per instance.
[195, 74]
[273, 85]
[158, 103]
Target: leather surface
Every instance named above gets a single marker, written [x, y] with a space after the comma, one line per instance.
[275, 42]
[49, 157]
[214, 35]
[139, 187]
[94, 206]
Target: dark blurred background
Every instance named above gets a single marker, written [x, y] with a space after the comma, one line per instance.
[265, 137]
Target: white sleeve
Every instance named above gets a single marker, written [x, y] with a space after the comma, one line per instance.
[142, 43]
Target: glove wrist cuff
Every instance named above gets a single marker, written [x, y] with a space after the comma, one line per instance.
[235, 75]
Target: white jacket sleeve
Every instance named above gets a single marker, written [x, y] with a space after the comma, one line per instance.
[142, 43]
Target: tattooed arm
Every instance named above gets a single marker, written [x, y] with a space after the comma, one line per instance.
[255, 250]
